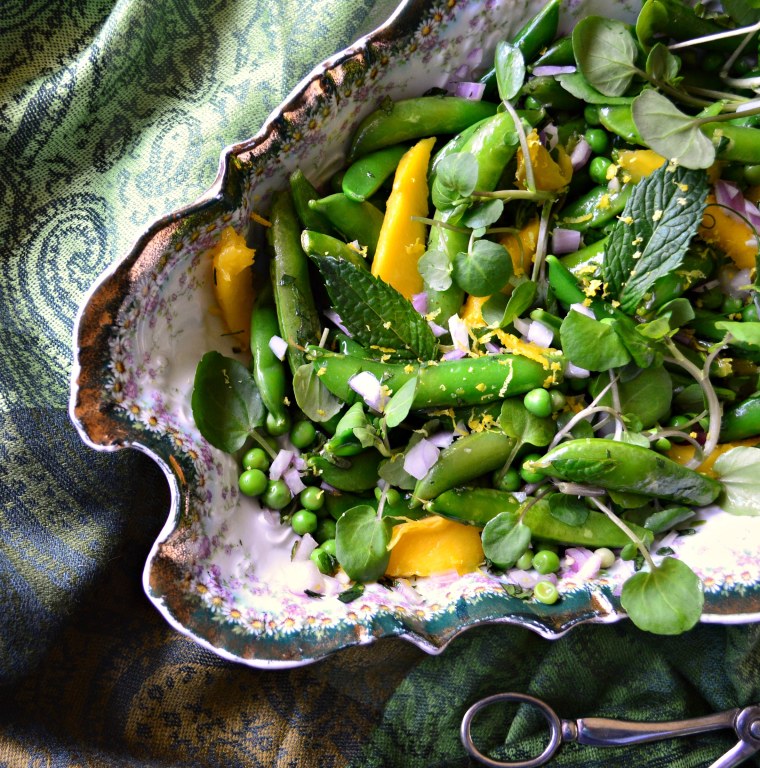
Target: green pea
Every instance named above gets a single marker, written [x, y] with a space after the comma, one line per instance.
[545, 561]
[711, 298]
[325, 530]
[323, 560]
[731, 304]
[277, 495]
[538, 402]
[525, 561]
[530, 476]
[598, 139]
[662, 444]
[252, 482]
[312, 498]
[531, 102]
[277, 425]
[303, 522]
[597, 169]
[256, 458]
[328, 546]
[545, 592]
[712, 62]
[392, 496]
[591, 115]
[303, 434]
[749, 314]
[607, 557]
[752, 174]
[508, 481]
[558, 400]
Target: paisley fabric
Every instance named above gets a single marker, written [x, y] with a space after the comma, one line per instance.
[111, 114]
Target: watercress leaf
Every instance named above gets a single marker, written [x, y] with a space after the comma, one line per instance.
[651, 238]
[505, 539]
[226, 403]
[738, 472]
[577, 85]
[484, 269]
[662, 64]
[665, 519]
[581, 470]
[666, 601]
[400, 404]
[670, 132]
[678, 313]
[392, 469]
[591, 344]
[361, 543]
[743, 12]
[643, 351]
[455, 178]
[518, 422]
[656, 329]
[648, 396]
[376, 313]
[745, 333]
[312, 396]
[571, 510]
[605, 53]
[500, 310]
[510, 70]
[435, 268]
[483, 215]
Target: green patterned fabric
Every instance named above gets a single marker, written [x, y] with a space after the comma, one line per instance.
[112, 113]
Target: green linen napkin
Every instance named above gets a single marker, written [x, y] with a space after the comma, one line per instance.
[111, 114]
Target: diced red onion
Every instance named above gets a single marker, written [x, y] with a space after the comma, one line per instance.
[460, 73]
[540, 334]
[299, 464]
[584, 310]
[668, 540]
[581, 154]
[613, 185]
[305, 547]
[590, 568]
[747, 105]
[280, 463]
[420, 458]
[278, 346]
[408, 592]
[458, 329]
[493, 349]
[454, 354]
[574, 559]
[550, 136]
[293, 480]
[437, 329]
[565, 240]
[734, 281]
[327, 487]
[524, 579]
[442, 439]
[369, 387]
[334, 317]
[420, 302]
[522, 326]
[551, 70]
[752, 212]
[727, 193]
[472, 91]
[573, 371]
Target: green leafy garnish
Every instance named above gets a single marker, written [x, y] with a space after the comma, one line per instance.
[744, 333]
[578, 86]
[361, 543]
[505, 539]
[435, 268]
[400, 404]
[652, 236]
[500, 310]
[571, 510]
[510, 70]
[647, 395]
[376, 313]
[605, 53]
[591, 344]
[312, 396]
[738, 472]
[226, 403]
[455, 178]
[483, 269]
[666, 600]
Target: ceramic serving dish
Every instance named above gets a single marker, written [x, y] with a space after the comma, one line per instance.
[216, 570]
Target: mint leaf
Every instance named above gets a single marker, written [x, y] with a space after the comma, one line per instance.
[650, 239]
[377, 315]
[226, 402]
[738, 472]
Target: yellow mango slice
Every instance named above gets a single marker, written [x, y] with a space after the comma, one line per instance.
[684, 453]
[233, 285]
[472, 311]
[522, 247]
[638, 163]
[550, 175]
[434, 545]
[402, 240]
[729, 233]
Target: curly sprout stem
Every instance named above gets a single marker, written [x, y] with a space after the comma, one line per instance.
[587, 411]
[628, 532]
[530, 176]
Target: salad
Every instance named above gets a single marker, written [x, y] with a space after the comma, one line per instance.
[519, 330]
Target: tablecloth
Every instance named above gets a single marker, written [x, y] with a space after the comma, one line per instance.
[113, 112]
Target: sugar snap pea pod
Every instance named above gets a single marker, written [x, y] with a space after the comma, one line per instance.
[563, 282]
[302, 191]
[416, 118]
[268, 369]
[355, 221]
[450, 383]
[742, 421]
[546, 90]
[347, 346]
[359, 473]
[493, 147]
[367, 174]
[472, 506]
[597, 531]
[296, 312]
[559, 54]
[618, 119]
[595, 208]
[534, 35]
[319, 244]
[705, 326]
[465, 459]
[622, 466]
[580, 261]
